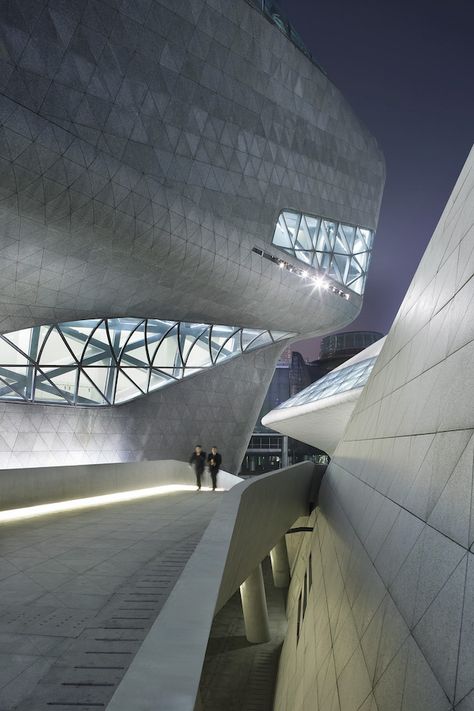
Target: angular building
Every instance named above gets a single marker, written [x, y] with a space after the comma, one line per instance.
[318, 415]
[182, 192]
[387, 575]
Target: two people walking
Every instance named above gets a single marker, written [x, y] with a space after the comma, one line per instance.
[198, 462]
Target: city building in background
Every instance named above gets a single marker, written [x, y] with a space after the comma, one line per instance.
[336, 348]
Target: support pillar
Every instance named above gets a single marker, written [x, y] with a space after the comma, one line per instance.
[280, 564]
[284, 452]
[254, 607]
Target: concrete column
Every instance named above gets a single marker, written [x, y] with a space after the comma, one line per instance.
[254, 607]
[284, 452]
[280, 564]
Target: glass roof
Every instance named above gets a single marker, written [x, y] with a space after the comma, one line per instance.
[338, 381]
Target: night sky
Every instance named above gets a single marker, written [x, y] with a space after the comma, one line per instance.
[407, 69]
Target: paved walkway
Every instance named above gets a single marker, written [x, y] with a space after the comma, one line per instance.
[237, 675]
[79, 591]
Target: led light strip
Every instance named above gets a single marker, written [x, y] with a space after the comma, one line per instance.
[320, 281]
[94, 501]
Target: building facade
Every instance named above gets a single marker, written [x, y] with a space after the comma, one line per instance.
[318, 415]
[183, 163]
[387, 572]
[276, 442]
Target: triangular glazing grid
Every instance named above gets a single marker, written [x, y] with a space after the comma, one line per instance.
[292, 221]
[9, 392]
[326, 245]
[106, 362]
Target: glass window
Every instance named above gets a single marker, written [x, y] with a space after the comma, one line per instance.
[9, 355]
[339, 250]
[264, 339]
[167, 352]
[17, 380]
[98, 350]
[22, 339]
[125, 389]
[48, 386]
[292, 221]
[158, 380]
[188, 335]
[248, 336]
[135, 351]
[55, 350]
[77, 334]
[139, 376]
[338, 381]
[199, 356]
[110, 361]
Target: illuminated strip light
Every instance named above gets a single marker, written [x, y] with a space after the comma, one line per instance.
[94, 501]
[303, 273]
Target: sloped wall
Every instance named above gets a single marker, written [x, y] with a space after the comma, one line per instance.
[217, 406]
[389, 624]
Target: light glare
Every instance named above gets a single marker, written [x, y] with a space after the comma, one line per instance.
[94, 501]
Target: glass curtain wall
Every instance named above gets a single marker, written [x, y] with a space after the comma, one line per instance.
[341, 251]
[111, 361]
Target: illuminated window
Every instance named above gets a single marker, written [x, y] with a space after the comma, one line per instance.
[110, 361]
[341, 251]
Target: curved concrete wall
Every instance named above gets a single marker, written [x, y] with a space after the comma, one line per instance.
[389, 622]
[216, 406]
[145, 149]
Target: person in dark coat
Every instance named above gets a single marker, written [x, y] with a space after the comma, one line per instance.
[198, 461]
[214, 461]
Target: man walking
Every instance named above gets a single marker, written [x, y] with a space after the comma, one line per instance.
[214, 461]
[197, 461]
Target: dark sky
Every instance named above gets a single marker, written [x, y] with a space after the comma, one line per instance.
[407, 69]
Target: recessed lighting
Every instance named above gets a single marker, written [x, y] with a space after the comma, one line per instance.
[93, 501]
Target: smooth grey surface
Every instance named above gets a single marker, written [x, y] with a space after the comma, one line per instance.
[79, 591]
[146, 148]
[392, 546]
[252, 517]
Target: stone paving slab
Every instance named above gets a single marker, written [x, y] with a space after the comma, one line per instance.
[79, 592]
